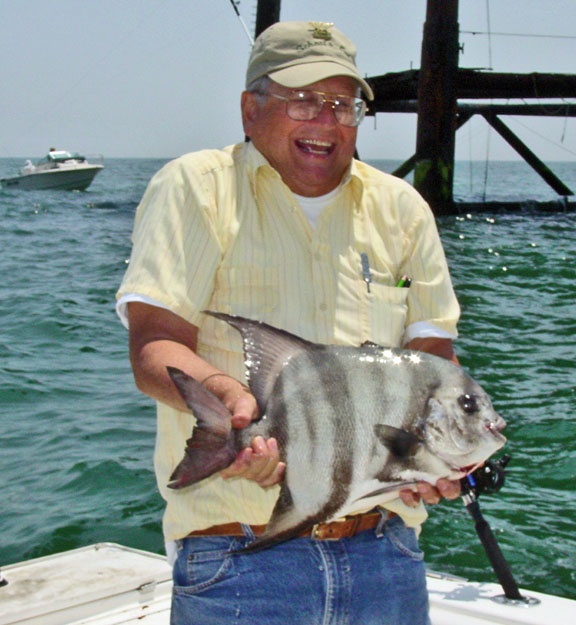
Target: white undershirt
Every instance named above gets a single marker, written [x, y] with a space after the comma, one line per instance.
[313, 206]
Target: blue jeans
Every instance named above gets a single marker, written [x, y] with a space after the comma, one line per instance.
[375, 578]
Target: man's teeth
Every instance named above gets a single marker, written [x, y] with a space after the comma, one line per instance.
[316, 142]
[315, 145]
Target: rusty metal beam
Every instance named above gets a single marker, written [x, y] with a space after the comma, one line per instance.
[437, 112]
[527, 154]
[267, 13]
[475, 85]
[564, 109]
[407, 166]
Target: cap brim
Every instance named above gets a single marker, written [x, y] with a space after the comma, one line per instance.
[305, 74]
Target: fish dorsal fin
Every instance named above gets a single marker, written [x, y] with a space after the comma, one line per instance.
[400, 443]
[371, 344]
[267, 350]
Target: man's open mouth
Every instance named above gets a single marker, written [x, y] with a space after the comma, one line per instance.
[315, 146]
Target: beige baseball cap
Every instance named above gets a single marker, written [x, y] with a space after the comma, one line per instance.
[297, 54]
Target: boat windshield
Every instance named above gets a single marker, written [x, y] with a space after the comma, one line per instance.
[59, 156]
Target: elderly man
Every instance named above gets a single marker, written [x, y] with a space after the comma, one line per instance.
[289, 229]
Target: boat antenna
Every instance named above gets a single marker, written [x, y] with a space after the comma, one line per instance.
[234, 4]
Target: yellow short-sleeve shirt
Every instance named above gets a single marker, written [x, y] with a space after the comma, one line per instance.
[219, 230]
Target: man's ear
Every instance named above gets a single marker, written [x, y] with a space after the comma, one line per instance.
[249, 107]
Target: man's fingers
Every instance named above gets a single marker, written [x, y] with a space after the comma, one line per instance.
[429, 494]
[410, 497]
[239, 466]
[449, 489]
[244, 412]
[275, 477]
[260, 463]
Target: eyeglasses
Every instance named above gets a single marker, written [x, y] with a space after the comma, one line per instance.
[304, 106]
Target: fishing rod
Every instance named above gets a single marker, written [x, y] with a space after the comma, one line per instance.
[489, 479]
[235, 7]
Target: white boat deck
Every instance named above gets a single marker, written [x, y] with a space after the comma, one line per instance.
[108, 584]
[103, 584]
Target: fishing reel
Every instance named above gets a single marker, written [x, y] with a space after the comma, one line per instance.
[489, 478]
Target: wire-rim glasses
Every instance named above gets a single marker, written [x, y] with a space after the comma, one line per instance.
[304, 105]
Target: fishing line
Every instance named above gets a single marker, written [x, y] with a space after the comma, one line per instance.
[565, 125]
[470, 168]
[489, 34]
[234, 5]
[543, 137]
[487, 161]
[530, 35]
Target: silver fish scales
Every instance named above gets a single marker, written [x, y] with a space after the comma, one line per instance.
[353, 424]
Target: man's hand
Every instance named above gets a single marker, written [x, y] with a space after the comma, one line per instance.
[447, 489]
[260, 463]
[159, 337]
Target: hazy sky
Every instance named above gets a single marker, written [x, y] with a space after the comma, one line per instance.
[158, 78]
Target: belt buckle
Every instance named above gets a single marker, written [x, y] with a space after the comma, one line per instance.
[316, 533]
[335, 530]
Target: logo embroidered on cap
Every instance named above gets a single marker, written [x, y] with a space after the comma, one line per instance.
[321, 30]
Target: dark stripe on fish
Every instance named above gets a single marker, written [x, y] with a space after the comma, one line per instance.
[332, 372]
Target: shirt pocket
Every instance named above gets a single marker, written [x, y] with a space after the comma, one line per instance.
[385, 309]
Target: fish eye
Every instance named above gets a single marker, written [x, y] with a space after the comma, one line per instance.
[468, 403]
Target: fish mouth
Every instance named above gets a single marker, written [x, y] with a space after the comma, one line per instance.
[464, 471]
[315, 147]
[495, 428]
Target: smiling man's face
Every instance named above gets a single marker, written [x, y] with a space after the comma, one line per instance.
[310, 156]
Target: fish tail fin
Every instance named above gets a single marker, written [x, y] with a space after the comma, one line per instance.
[211, 447]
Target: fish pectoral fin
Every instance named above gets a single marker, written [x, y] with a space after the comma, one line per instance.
[387, 488]
[400, 443]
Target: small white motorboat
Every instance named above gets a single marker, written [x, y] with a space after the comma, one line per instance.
[108, 584]
[59, 169]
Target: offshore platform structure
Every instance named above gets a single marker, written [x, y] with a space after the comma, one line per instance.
[436, 92]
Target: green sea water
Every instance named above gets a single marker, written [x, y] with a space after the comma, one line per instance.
[77, 439]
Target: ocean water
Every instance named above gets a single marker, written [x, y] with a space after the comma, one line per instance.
[77, 439]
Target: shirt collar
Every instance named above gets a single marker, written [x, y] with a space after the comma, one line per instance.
[354, 179]
[257, 162]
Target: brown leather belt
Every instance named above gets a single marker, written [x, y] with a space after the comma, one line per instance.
[350, 526]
